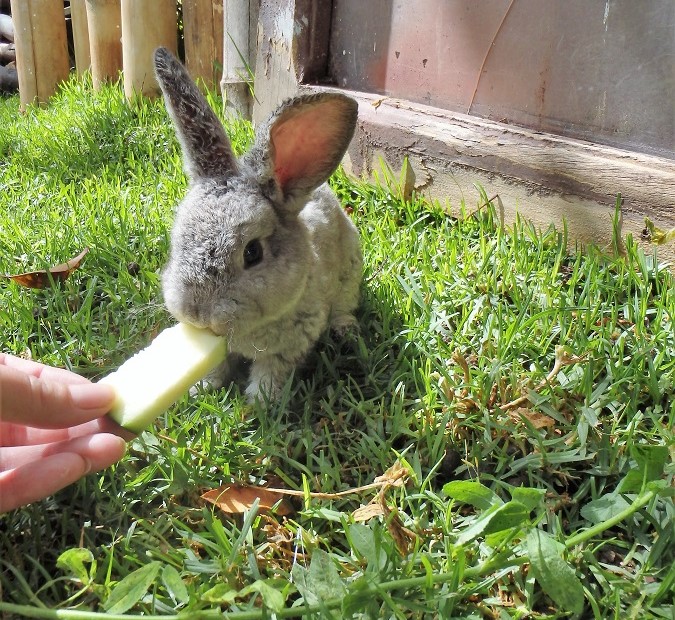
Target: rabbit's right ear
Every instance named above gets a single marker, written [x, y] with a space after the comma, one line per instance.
[206, 148]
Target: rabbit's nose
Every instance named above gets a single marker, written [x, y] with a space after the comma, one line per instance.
[196, 315]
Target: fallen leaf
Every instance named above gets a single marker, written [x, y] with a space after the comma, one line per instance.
[40, 279]
[403, 537]
[396, 476]
[378, 102]
[236, 499]
[657, 235]
[367, 512]
[537, 419]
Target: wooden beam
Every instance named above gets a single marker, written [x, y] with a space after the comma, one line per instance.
[545, 178]
[542, 177]
[292, 47]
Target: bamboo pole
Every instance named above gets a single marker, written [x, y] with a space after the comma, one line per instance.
[78, 18]
[104, 21]
[41, 48]
[203, 33]
[236, 63]
[145, 26]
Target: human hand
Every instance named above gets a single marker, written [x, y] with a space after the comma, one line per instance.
[52, 430]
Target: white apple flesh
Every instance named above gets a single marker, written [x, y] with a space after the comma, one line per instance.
[156, 377]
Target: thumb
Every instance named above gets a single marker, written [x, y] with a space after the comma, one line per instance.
[46, 403]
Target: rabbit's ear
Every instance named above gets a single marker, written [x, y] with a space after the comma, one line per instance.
[206, 148]
[307, 138]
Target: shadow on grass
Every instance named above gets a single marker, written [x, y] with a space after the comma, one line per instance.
[356, 404]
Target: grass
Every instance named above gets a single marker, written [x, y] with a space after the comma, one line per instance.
[513, 397]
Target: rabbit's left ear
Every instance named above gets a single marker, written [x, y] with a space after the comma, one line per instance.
[206, 148]
[308, 137]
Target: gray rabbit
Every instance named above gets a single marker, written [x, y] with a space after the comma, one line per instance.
[261, 250]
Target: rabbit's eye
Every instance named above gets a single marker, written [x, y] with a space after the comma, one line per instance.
[253, 253]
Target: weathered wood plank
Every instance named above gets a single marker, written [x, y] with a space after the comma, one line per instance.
[542, 177]
[78, 18]
[292, 47]
[203, 32]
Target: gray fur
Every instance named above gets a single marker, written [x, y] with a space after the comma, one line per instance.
[273, 312]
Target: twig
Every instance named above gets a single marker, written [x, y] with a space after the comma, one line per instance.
[313, 495]
[395, 476]
[485, 204]
[383, 481]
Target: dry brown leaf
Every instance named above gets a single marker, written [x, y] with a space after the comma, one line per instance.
[403, 537]
[466, 405]
[281, 548]
[562, 358]
[236, 499]
[367, 512]
[395, 476]
[537, 419]
[40, 278]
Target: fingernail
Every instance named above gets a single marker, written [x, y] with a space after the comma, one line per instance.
[92, 395]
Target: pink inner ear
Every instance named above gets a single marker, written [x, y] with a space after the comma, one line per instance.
[302, 143]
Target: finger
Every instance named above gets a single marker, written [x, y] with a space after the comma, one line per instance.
[40, 370]
[99, 449]
[20, 435]
[45, 403]
[38, 479]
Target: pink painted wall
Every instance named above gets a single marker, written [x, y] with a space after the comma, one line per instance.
[597, 70]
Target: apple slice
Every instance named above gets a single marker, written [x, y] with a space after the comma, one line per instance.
[156, 377]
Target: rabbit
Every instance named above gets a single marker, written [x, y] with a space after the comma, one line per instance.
[261, 251]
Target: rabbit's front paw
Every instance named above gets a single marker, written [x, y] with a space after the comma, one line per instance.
[203, 386]
[344, 325]
[268, 378]
[233, 370]
[210, 383]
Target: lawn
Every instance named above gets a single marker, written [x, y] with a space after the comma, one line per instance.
[495, 442]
